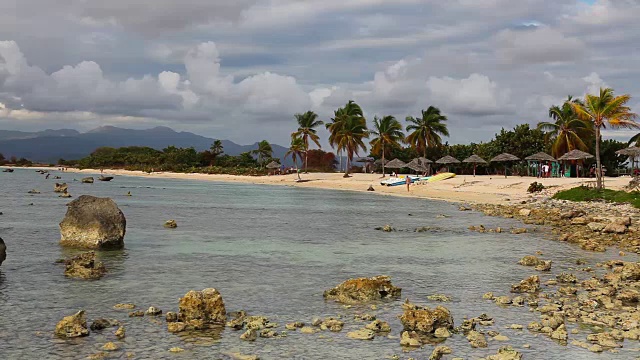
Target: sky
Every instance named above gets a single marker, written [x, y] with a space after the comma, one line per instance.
[241, 69]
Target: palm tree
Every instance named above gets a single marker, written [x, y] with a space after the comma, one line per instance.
[351, 109]
[568, 131]
[605, 109]
[426, 131]
[295, 150]
[388, 132]
[307, 123]
[264, 151]
[635, 139]
[217, 148]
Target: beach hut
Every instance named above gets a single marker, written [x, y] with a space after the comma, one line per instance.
[395, 164]
[368, 163]
[426, 163]
[632, 152]
[273, 165]
[417, 166]
[539, 158]
[475, 160]
[575, 156]
[505, 158]
[447, 160]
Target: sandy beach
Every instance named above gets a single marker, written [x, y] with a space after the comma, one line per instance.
[481, 189]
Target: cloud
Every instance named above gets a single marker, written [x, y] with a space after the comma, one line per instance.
[476, 95]
[537, 45]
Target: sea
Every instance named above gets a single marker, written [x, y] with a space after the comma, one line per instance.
[270, 251]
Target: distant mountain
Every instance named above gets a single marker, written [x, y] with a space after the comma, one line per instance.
[50, 145]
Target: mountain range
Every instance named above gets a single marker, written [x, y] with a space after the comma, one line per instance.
[50, 145]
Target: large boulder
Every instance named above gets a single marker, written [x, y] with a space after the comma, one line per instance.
[84, 266]
[93, 223]
[72, 326]
[528, 285]
[424, 320]
[87, 180]
[3, 251]
[363, 290]
[201, 309]
[60, 188]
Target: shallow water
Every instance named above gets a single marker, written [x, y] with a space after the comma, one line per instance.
[269, 250]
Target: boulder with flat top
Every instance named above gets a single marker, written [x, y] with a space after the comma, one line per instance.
[93, 223]
[363, 290]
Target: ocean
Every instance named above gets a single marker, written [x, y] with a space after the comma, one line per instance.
[271, 251]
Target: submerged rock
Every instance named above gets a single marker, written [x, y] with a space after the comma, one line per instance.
[529, 260]
[87, 180]
[84, 266]
[506, 353]
[363, 290]
[476, 339]
[439, 351]
[153, 311]
[425, 320]
[72, 326]
[170, 224]
[60, 188]
[362, 334]
[379, 326]
[528, 285]
[411, 339]
[102, 323]
[3, 251]
[200, 309]
[94, 223]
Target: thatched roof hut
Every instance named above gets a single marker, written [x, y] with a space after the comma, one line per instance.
[575, 155]
[424, 160]
[505, 157]
[474, 159]
[273, 165]
[447, 160]
[632, 151]
[416, 165]
[395, 164]
[541, 156]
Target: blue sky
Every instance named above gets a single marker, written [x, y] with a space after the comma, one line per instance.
[240, 70]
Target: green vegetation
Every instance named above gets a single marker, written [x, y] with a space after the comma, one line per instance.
[426, 130]
[583, 193]
[307, 124]
[348, 129]
[388, 135]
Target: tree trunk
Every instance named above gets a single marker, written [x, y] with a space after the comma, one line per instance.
[348, 166]
[297, 170]
[383, 173]
[598, 164]
[306, 164]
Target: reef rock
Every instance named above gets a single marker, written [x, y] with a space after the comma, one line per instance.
[506, 353]
[528, 285]
[72, 326]
[170, 224]
[60, 188]
[200, 309]
[93, 223]
[87, 180]
[84, 266]
[363, 290]
[529, 260]
[425, 320]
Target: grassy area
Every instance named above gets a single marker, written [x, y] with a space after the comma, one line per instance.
[583, 193]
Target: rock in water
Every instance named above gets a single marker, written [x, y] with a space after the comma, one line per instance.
[363, 290]
[3, 251]
[87, 180]
[60, 188]
[506, 353]
[425, 320]
[528, 285]
[170, 224]
[72, 326]
[199, 309]
[84, 266]
[93, 223]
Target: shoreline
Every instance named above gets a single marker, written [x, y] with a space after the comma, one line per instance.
[481, 189]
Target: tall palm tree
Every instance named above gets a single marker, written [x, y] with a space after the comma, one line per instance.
[568, 131]
[388, 132]
[602, 110]
[217, 148]
[340, 116]
[307, 123]
[426, 131]
[295, 150]
[264, 151]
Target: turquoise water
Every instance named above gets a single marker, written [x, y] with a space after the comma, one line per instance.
[270, 251]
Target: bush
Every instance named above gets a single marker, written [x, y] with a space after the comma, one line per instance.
[535, 187]
[583, 193]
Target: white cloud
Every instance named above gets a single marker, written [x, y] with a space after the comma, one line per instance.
[476, 95]
[540, 45]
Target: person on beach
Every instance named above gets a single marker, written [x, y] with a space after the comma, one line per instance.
[408, 182]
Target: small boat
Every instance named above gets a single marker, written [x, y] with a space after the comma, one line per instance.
[7, 170]
[105, 178]
[395, 181]
[440, 177]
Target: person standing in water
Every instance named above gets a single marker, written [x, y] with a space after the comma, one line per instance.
[408, 182]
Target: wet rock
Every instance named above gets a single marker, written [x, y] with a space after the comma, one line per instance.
[488, 296]
[378, 326]
[545, 265]
[529, 260]
[502, 300]
[500, 337]
[580, 221]
[534, 326]
[152, 311]
[605, 340]
[364, 317]
[294, 326]
[506, 353]
[33, 191]
[363, 290]
[176, 327]
[596, 348]
[524, 212]
[87, 180]
[370, 188]
[65, 194]
[249, 335]
[595, 226]
[567, 290]
[516, 327]
[60, 188]
[138, 313]
[560, 333]
[518, 231]
[170, 224]
[316, 321]
[332, 324]
[72, 326]
[464, 208]
[110, 347]
[518, 301]
[308, 330]
[439, 297]
[614, 229]
[425, 320]
[528, 285]
[121, 333]
[124, 306]
[362, 334]
[476, 339]
[84, 266]
[100, 324]
[442, 333]
[439, 351]
[93, 223]
[567, 278]
[200, 309]
[268, 334]
[410, 339]
[3, 251]
[176, 349]
[170, 316]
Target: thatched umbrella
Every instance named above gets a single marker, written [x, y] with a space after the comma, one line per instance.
[416, 165]
[395, 164]
[426, 163]
[504, 157]
[273, 165]
[447, 160]
[539, 157]
[475, 160]
[367, 161]
[633, 152]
